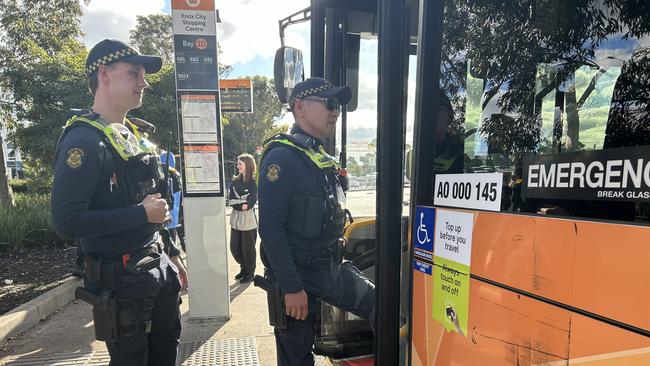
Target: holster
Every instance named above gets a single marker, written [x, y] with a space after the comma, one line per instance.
[275, 300]
[105, 311]
[117, 317]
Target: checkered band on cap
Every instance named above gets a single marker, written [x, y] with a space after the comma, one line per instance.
[107, 59]
[311, 91]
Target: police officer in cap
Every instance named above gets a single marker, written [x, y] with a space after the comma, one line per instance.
[109, 191]
[302, 216]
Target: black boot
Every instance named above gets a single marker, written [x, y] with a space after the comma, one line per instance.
[246, 279]
[240, 275]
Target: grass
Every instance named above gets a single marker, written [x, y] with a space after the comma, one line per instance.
[28, 223]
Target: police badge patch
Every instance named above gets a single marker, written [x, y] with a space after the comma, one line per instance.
[75, 158]
[273, 173]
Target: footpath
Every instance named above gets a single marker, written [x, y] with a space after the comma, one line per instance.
[67, 336]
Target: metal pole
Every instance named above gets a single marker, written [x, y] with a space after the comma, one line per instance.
[334, 61]
[426, 106]
[391, 112]
[317, 38]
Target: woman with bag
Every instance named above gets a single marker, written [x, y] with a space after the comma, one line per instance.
[243, 222]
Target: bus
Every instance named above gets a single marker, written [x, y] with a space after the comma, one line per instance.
[509, 220]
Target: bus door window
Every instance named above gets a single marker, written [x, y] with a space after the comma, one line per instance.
[545, 79]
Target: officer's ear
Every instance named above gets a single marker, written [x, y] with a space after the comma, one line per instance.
[103, 73]
[298, 106]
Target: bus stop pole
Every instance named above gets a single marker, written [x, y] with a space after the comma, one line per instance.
[391, 113]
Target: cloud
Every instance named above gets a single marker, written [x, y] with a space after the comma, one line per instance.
[114, 18]
[249, 28]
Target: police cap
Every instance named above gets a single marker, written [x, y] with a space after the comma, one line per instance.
[109, 51]
[321, 88]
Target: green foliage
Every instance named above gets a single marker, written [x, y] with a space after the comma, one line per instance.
[38, 178]
[244, 132]
[19, 185]
[28, 223]
[44, 91]
[39, 73]
[366, 167]
[153, 35]
[47, 24]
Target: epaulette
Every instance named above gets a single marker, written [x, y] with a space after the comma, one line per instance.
[82, 113]
[303, 140]
[299, 139]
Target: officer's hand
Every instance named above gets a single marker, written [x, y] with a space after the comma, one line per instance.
[156, 208]
[296, 305]
[182, 272]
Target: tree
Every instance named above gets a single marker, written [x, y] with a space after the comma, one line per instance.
[35, 34]
[244, 132]
[153, 35]
[353, 168]
[44, 92]
[508, 44]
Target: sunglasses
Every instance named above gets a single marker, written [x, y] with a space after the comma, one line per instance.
[330, 103]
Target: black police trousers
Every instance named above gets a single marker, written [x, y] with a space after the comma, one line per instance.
[160, 346]
[341, 285]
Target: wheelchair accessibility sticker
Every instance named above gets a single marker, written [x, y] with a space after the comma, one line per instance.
[423, 230]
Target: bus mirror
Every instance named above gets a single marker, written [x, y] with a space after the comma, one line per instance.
[352, 72]
[288, 70]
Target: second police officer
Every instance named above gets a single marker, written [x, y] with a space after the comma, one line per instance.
[108, 190]
[302, 216]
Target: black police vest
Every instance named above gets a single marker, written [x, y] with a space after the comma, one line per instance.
[320, 216]
[139, 168]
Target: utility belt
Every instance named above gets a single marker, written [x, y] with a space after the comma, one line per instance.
[324, 257]
[117, 317]
[102, 272]
[274, 294]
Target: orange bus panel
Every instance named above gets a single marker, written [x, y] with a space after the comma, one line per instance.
[595, 267]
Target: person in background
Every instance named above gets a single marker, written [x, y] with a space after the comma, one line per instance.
[243, 223]
[176, 194]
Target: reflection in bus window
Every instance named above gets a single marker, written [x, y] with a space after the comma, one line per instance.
[629, 116]
[546, 78]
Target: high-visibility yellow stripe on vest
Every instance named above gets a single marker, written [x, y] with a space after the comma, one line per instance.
[120, 143]
[320, 158]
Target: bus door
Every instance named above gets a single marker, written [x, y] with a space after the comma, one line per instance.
[349, 55]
